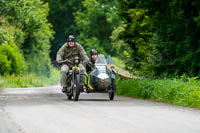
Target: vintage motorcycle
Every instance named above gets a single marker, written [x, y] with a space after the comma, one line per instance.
[73, 79]
[99, 80]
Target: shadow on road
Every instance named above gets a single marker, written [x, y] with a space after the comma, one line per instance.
[94, 100]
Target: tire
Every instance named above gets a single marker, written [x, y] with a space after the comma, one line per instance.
[69, 97]
[113, 87]
[76, 88]
[111, 95]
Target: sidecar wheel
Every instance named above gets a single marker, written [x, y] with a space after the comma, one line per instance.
[111, 95]
[113, 88]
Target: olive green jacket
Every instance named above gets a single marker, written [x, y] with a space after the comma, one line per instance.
[66, 52]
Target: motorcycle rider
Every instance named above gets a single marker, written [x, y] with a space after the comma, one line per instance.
[70, 50]
[93, 58]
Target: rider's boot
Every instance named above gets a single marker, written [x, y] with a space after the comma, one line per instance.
[83, 88]
[64, 89]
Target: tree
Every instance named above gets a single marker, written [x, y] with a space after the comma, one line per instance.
[61, 16]
[138, 33]
[175, 28]
[95, 22]
[33, 32]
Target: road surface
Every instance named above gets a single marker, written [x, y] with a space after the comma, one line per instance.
[47, 110]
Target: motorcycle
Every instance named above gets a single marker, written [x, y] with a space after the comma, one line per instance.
[99, 80]
[73, 79]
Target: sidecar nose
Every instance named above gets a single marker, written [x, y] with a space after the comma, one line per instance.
[103, 76]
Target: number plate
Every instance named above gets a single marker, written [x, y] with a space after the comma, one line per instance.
[75, 68]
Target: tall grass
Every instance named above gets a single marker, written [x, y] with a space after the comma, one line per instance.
[173, 91]
[119, 63]
[1, 83]
[30, 80]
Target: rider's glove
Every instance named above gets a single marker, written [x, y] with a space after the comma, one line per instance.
[59, 62]
[90, 64]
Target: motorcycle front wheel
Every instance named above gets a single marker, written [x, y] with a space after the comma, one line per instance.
[76, 88]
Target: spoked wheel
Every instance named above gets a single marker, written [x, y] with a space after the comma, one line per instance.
[113, 87]
[69, 94]
[76, 88]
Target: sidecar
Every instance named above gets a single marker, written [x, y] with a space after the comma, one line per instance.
[101, 79]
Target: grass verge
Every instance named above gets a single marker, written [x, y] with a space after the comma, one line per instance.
[1, 83]
[177, 92]
[119, 63]
[30, 80]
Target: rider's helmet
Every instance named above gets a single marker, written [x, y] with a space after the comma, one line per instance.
[71, 38]
[93, 52]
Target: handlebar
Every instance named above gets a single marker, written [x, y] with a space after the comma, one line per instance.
[67, 61]
[76, 61]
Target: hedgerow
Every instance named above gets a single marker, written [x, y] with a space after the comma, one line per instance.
[173, 91]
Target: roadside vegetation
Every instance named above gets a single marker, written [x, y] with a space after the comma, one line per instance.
[181, 92]
[25, 36]
[29, 80]
[164, 41]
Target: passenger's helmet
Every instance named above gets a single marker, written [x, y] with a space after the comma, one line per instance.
[93, 52]
[71, 38]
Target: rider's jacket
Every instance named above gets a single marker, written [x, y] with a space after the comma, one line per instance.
[66, 52]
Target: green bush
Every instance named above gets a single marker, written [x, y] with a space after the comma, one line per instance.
[173, 91]
[11, 60]
[3, 37]
[25, 23]
[5, 64]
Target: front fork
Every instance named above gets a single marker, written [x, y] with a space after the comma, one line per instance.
[75, 71]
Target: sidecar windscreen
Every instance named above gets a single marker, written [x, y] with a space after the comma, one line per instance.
[101, 60]
[100, 65]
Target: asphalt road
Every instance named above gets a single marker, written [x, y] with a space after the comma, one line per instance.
[47, 110]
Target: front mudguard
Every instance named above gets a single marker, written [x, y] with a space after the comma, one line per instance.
[113, 76]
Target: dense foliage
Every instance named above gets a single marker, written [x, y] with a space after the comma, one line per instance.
[25, 34]
[11, 58]
[153, 37]
[95, 22]
[61, 16]
[163, 34]
[91, 21]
